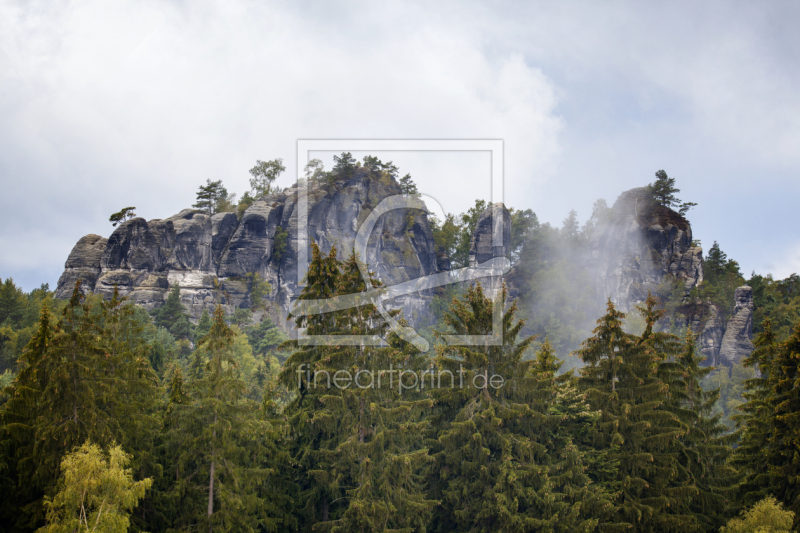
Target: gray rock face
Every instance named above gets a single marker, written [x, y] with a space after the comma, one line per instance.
[83, 263]
[708, 323]
[636, 246]
[737, 343]
[209, 257]
[481, 244]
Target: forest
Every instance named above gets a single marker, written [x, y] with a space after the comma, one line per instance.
[115, 419]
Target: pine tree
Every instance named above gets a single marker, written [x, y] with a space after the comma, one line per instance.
[663, 191]
[407, 185]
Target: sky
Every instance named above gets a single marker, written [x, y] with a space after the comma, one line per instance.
[105, 105]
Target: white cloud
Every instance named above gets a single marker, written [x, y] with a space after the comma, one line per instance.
[139, 102]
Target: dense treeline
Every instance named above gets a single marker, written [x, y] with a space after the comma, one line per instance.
[115, 419]
[361, 437]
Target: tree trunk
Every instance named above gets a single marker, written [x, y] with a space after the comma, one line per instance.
[325, 508]
[211, 480]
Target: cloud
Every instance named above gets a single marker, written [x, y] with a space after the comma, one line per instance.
[137, 103]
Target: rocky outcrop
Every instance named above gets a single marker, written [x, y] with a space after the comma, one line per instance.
[83, 264]
[707, 324]
[636, 245]
[481, 245]
[212, 258]
[737, 343]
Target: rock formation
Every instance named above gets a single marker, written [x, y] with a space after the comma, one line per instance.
[211, 256]
[83, 263]
[636, 246]
[481, 244]
[737, 343]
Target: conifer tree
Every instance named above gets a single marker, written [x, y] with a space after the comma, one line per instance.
[357, 447]
[314, 431]
[493, 452]
[380, 452]
[217, 479]
[203, 326]
[85, 378]
[629, 379]
[708, 443]
[757, 420]
[172, 310]
[783, 448]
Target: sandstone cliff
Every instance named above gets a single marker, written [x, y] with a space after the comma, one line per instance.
[210, 256]
[636, 246]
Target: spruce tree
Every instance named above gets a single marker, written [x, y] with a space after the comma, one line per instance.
[314, 432]
[85, 378]
[203, 326]
[172, 311]
[357, 446]
[629, 379]
[757, 421]
[380, 452]
[218, 475]
[783, 447]
[707, 440]
[493, 450]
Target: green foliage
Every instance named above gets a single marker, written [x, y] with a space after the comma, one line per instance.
[121, 216]
[407, 185]
[259, 289]
[357, 449]
[213, 198]
[766, 516]
[279, 245]
[344, 165]
[217, 429]
[12, 304]
[264, 175]
[86, 377]
[641, 392]
[173, 315]
[501, 463]
[96, 492]
[246, 201]
[663, 191]
[523, 222]
[265, 337]
[778, 300]
[203, 325]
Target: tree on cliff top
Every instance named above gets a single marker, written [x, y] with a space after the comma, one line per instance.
[213, 198]
[264, 175]
[663, 191]
[121, 216]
